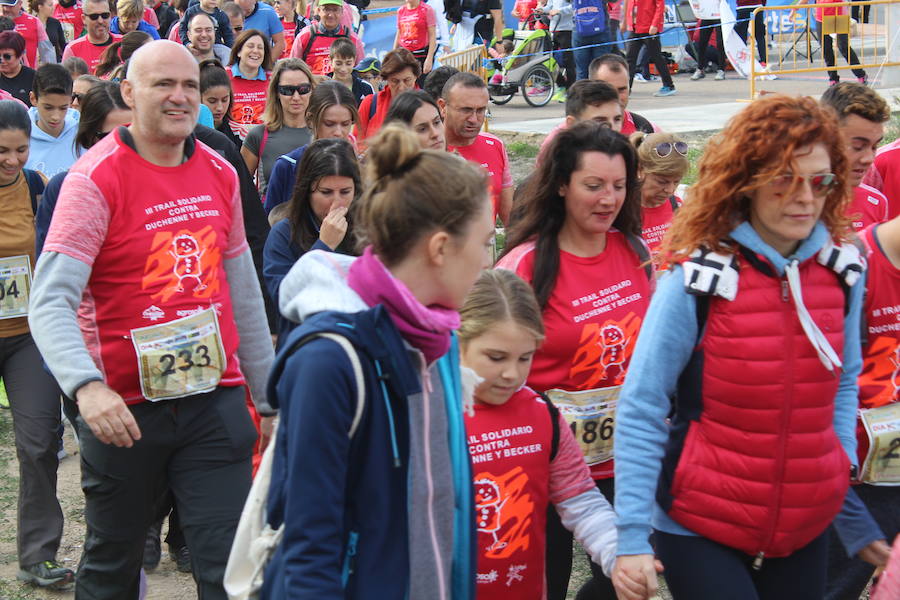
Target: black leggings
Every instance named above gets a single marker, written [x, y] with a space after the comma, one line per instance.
[708, 27]
[843, 43]
[562, 40]
[654, 49]
[759, 30]
[700, 569]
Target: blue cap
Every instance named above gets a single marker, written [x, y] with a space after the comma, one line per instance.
[370, 63]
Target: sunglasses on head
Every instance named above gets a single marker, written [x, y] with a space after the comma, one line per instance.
[820, 183]
[290, 90]
[664, 149]
[7, 56]
[95, 16]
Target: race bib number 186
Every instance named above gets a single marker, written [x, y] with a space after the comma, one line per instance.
[592, 416]
[181, 357]
[15, 286]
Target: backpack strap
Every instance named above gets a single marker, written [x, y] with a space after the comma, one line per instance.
[255, 541]
[708, 273]
[554, 424]
[640, 248]
[35, 188]
[373, 105]
[313, 34]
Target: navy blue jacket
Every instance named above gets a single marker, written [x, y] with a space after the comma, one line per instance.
[347, 509]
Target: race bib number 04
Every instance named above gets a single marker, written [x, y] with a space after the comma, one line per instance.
[592, 416]
[15, 286]
[181, 357]
[882, 464]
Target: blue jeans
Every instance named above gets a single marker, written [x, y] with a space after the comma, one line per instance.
[584, 56]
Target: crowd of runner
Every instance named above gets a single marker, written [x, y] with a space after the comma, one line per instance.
[231, 244]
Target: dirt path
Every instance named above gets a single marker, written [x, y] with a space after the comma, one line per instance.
[163, 584]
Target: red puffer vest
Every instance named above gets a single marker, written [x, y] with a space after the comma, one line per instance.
[760, 467]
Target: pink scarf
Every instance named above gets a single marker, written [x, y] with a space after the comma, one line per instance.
[426, 328]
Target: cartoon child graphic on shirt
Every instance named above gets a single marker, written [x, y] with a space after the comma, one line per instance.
[187, 254]
[613, 343]
[183, 265]
[487, 509]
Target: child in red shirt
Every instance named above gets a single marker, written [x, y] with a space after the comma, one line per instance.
[416, 27]
[524, 456]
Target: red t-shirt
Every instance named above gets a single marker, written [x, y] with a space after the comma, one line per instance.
[412, 26]
[884, 176]
[525, 8]
[592, 319]
[249, 103]
[655, 222]
[514, 479]
[156, 239]
[290, 32]
[70, 19]
[869, 206]
[317, 57]
[31, 28]
[91, 53]
[879, 380]
[488, 151]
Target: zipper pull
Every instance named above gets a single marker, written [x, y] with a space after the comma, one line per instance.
[758, 561]
[784, 290]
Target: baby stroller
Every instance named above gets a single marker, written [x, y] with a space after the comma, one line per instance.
[530, 67]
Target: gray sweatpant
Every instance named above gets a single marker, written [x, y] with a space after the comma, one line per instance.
[34, 400]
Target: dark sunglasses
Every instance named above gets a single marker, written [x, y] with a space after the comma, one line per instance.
[238, 28]
[820, 183]
[77, 97]
[7, 56]
[95, 16]
[664, 149]
[101, 134]
[289, 90]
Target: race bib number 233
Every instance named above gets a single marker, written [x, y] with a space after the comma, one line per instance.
[181, 357]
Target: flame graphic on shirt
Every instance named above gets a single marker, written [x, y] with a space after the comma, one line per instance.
[503, 511]
[183, 262]
[879, 380]
[604, 351]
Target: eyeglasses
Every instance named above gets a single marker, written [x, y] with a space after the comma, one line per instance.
[820, 184]
[6, 56]
[664, 149]
[95, 16]
[468, 111]
[289, 90]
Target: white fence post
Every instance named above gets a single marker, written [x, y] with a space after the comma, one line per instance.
[891, 76]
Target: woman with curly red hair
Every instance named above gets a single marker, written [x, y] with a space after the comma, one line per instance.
[750, 347]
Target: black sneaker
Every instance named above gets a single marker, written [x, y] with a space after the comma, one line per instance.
[182, 558]
[48, 574]
[152, 550]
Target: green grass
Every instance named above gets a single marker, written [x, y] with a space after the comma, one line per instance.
[522, 150]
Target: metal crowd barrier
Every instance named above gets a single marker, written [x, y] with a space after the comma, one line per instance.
[800, 51]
